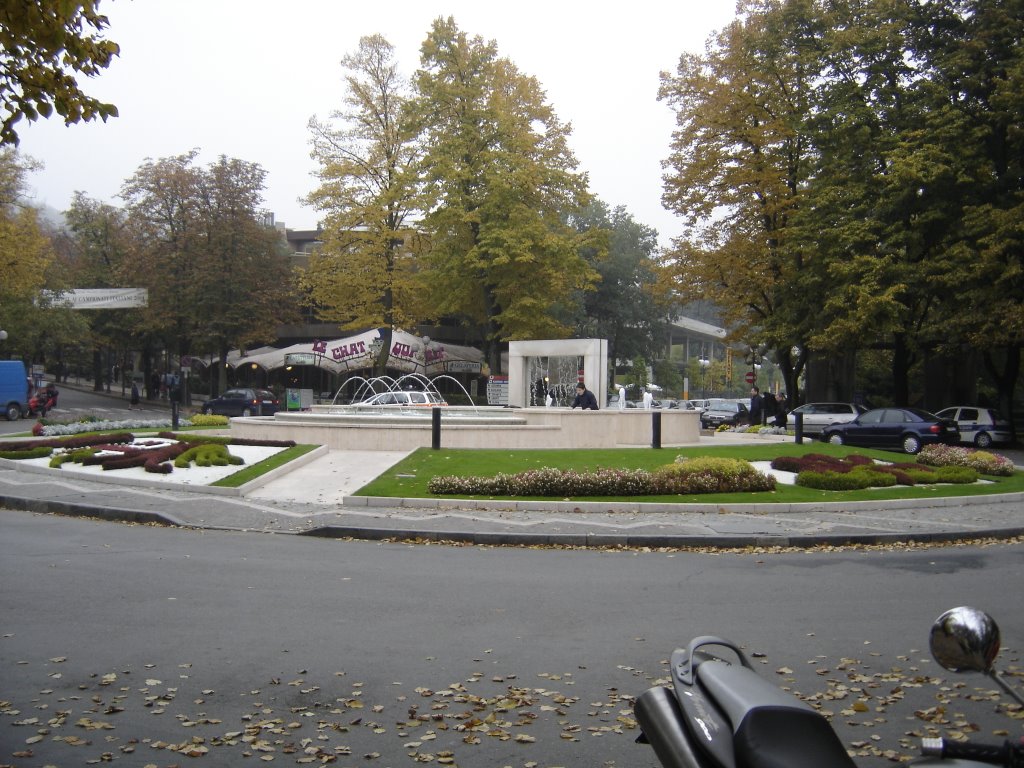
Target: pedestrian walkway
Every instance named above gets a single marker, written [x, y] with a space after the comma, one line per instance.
[316, 499]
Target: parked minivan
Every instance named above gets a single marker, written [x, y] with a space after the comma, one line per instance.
[13, 389]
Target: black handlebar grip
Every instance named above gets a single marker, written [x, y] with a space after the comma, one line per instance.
[1009, 754]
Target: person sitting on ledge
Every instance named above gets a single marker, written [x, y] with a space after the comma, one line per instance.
[584, 398]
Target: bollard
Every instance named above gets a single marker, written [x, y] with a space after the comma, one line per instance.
[174, 414]
[798, 427]
[656, 429]
[435, 428]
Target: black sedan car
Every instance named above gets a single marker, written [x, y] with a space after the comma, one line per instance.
[901, 429]
[243, 402]
[727, 412]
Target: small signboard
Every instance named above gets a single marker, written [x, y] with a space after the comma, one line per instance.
[300, 358]
[298, 399]
[497, 390]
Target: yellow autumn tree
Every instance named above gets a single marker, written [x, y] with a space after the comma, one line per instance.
[365, 274]
[501, 184]
[25, 250]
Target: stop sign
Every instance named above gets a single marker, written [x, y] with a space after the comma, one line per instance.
[750, 377]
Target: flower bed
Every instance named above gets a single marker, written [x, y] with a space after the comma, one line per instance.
[156, 455]
[685, 476]
[854, 472]
[710, 474]
[957, 456]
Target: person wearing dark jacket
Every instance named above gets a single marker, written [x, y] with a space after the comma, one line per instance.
[756, 404]
[584, 398]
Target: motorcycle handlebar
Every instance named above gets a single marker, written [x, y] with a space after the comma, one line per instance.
[1008, 754]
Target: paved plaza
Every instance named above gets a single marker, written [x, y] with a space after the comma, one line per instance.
[316, 498]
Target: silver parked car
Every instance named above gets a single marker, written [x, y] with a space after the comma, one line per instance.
[817, 416]
[981, 426]
[405, 398]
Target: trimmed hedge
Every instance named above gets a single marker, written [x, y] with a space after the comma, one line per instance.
[206, 455]
[856, 472]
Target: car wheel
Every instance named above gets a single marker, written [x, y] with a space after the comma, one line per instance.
[983, 440]
[836, 439]
[247, 412]
[13, 412]
[206, 411]
[911, 444]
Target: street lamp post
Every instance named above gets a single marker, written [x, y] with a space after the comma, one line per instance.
[704, 363]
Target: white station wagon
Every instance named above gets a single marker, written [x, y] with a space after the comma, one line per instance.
[817, 416]
[405, 398]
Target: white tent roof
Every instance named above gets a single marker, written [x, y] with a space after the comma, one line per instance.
[408, 352]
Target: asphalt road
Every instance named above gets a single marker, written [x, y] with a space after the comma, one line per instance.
[140, 645]
[75, 403]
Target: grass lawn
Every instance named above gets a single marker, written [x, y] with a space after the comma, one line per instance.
[243, 476]
[409, 477]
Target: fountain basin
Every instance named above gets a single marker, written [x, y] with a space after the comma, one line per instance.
[389, 428]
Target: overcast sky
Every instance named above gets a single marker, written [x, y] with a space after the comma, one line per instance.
[242, 78]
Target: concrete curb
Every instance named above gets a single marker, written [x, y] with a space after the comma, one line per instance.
[648, 541]
[668, 507]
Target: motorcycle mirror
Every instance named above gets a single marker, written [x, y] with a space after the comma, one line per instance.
[965, 639]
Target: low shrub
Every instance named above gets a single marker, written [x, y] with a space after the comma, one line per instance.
[206, 455]
[873, 477]
[78, 455]
[208, 420]
[957, 475]
[831, 481]
[36, 452]
[709, 474]
[921, 474]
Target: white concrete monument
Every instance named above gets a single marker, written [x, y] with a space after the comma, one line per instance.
[595, 366]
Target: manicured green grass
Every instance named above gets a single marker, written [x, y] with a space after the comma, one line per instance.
[253, 471]
[409, 477]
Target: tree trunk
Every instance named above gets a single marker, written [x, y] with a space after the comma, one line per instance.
[1006, 382]
[97, 369]
[900, 371]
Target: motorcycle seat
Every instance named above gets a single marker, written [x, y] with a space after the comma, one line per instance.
[770, 728]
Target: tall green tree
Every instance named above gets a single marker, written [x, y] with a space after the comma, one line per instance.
[974, 66]
[93, 251]
[246, 287]
[218, 277]
[500, 182]
[881, 203]
[740, 157]
[43, 45]
[628, 306]
[367, 272]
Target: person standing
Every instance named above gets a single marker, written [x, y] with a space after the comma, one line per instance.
[780, 410]
[133, 403]
[648, 399]
[584, 398]
[756, 404]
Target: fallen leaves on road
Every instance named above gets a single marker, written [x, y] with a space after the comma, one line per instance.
[103, 717]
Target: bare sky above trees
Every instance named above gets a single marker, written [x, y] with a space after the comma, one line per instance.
[243, 78]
